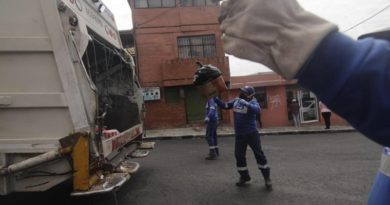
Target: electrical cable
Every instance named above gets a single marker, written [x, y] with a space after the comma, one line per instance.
[366, 19]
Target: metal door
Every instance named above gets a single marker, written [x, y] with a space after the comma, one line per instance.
[308, 104]
[195, 105]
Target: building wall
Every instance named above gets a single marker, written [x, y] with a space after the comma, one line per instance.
[276, 112]
[161, 115]
[156, 31]
[159, 49]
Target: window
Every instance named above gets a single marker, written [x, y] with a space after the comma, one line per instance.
[261, 96]
[127, 40]
[212, 3]
[172, 95]
[196, 46]
[198, 2]
[155, 3]
[168, 3]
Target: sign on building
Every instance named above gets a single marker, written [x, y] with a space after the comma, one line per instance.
[151, 93]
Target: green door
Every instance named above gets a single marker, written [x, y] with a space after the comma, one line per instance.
[195, 105]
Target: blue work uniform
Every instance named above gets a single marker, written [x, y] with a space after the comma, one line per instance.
[353, 79]
[244, 114]
[211, 118]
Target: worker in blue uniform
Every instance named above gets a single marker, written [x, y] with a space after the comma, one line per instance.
[211, 120]
[351, 77]
[245, 109]
[380, 191]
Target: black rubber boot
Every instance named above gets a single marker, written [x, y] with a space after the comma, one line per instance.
[211, 157]
[267, 179]
[244, 177]
[268, 184]
[217, 151]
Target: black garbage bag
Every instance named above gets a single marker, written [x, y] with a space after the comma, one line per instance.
[205, 74]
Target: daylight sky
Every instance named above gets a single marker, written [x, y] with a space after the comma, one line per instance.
[354, 17]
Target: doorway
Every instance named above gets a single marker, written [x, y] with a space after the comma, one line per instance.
[308, 104]
[195, 105]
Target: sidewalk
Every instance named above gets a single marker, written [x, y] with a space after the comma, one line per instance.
[227, 131]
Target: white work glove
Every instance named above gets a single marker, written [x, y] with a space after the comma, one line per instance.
[243, 102]
[276, 33]
[206, 120]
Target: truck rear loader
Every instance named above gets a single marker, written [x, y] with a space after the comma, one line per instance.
[71, 107]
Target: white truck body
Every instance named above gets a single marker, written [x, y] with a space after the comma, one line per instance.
[62, 71]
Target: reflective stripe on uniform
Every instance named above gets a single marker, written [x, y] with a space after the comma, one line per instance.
[263, 166]
[244, 110]
[242, 168]
[226, 105]
[385, 162]
[212, 147]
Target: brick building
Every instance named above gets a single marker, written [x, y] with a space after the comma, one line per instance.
[274, 94]
[170, 36]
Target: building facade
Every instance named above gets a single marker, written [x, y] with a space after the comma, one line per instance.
[275, 94]
[170, 37]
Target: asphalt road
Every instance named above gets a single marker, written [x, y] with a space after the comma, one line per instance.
[335, 168]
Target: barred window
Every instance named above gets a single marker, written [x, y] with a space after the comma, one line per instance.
[196, 46]
[155, 3]
[198, 3]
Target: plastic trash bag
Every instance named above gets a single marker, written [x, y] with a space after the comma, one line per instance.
[205, 74]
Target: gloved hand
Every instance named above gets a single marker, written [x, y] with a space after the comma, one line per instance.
[243, 102]
[276, 33]
[206, 120]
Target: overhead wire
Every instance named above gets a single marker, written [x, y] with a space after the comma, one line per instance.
[367, 19]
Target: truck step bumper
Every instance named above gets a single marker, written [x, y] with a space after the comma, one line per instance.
[147, 145]
[109, 183]
[139, 153]
[128, 167]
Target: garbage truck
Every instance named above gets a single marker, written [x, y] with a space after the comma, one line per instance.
[71, 107]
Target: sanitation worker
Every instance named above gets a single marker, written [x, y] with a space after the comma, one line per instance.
[347, 75]
[245, 109]
[211, 120]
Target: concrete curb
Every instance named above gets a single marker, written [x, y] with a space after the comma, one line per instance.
[307, 131]
[263, 133]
